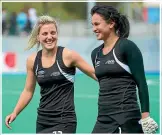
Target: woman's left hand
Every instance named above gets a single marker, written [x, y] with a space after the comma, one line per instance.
[149, 126]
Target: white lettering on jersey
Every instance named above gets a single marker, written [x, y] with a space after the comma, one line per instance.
[55, 74]
[110, 62]
[57, 132]
[40, 73]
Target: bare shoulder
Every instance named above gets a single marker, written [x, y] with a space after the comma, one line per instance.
[31, 59]
[70, 57]
[69, 54]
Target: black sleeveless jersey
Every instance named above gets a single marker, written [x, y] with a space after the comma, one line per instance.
[119, 72]
[57, 90]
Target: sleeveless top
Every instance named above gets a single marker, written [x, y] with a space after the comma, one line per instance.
[56, 90]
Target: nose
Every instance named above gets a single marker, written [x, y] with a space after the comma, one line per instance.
[49, 36]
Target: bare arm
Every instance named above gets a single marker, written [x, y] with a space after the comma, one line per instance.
[29, 88]
[26, 94]
[81, 64]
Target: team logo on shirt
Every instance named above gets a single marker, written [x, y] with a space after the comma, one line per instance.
[55, 74]
[97, 64]
[41, 73]
[110, 62]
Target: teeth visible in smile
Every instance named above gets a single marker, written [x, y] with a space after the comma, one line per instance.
[49, 42]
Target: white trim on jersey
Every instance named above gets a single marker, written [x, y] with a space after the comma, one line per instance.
[67, 76]
[36, 70]
[120, 63]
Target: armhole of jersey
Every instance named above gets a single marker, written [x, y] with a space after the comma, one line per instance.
[68, 73]
[59, 60]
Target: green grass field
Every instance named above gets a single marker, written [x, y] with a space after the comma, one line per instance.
[86, 95]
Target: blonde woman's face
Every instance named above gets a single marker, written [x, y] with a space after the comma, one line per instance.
[48, 36]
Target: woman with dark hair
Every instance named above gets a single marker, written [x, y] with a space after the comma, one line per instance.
[119, 68]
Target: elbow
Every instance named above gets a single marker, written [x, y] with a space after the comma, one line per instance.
[28, 93]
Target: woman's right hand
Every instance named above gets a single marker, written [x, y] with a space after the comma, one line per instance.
[10, 118]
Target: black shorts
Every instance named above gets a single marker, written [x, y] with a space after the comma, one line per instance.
[57, 128]
[127, 122]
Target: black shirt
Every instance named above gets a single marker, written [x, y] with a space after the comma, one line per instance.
[119, 72]
[57, 90]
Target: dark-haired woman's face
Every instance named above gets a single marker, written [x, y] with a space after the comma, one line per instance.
[101, 27]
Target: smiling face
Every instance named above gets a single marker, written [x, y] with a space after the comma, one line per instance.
[48, 36]
[101, 27]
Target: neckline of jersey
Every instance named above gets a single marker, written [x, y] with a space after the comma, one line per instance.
[101, 52]
[52, 64]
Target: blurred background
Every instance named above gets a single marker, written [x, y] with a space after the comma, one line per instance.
[75, 32]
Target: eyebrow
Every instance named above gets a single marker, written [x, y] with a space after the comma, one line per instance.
[50, 31]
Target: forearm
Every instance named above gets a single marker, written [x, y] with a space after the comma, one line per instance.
[92, 75]
[144, 97]
[23, 101]
[89, 71]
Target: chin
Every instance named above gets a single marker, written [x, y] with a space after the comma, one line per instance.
[49, 47]
[99, 38]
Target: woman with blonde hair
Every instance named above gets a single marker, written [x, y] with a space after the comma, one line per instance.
[54, 69]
